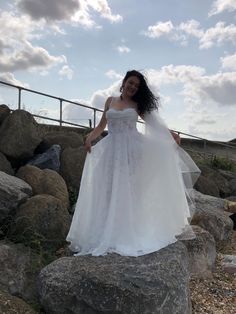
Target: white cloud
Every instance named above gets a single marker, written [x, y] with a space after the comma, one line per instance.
[10, 78]
[213, 36]
[220, 6]
[113, 74]
[67, 72]
[216, 36]
[78, 11]
[229, 62]
[17, 53]
[123, 49]
[159, 29]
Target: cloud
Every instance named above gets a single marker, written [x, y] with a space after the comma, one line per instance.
[66, 71]
[159, 29]
[9, 78]
[17, 53]
[29, 58]
[229, 62]
[78, 11]
[123, 49]
[113, 74]
[220, 6]
[216, 36]
[213, 36]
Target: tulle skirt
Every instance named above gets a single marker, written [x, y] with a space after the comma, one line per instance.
[134, 195]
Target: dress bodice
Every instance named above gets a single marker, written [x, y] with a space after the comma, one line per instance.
[121, 121]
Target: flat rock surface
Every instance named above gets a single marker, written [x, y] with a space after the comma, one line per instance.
[153, 283]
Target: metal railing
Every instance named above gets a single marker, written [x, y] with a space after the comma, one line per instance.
[95, 110]
[60, 100]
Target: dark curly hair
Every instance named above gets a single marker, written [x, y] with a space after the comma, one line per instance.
[144, 98]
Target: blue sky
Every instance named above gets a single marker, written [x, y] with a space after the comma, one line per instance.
[80, 49]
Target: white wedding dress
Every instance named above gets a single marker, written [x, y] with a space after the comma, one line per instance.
[134, 193]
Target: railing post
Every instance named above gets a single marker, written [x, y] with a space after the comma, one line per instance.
[60, 112]
[19, 98]
[94, 117]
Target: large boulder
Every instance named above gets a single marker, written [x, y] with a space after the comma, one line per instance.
[152, 283]
[13, 305]
[13, 191]
[19, 135]
[4, 112]
[210, 215]
[5, 165]
[72, 163]
[45, 182]
[232, 186]
[202, 253]
[64, 139]
[216, 177]
[207, 202]
[42, 221]
[17, 274]
[207, 186]
[47, 160]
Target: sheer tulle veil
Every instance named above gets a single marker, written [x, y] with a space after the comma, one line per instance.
[179, 171]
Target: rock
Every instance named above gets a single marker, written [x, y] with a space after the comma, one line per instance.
[207, 202]
[229, 263]
[64, 139]
[231, 198]
[231, 207]
[217, 178]
[207, 186]
[13, 191]
[232, 186]
[217, 223]
[12, 305]
[152, 283]
[202, 253]
[43, 220]
[45, 182]
[17, 276]
[4, 112]
[229, 175]
[72, 163]
[48, 160]
[19, 135]
[5, 165]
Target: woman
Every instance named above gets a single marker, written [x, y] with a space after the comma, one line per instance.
[133, 197]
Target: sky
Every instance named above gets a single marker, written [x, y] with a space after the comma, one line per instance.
[80, 50]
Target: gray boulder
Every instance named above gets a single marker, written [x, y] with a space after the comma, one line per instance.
[4, 112]
[17, 276]
[5, 165]
[72, 163]
[19, 135]
[232, 186]
[48, 160]
[13, 191]
[202, 253]
[64, 139]
[152, 283]
[43, 220]
[210, 215]
[12, 305]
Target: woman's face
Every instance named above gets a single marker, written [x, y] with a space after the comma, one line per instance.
[131, 86]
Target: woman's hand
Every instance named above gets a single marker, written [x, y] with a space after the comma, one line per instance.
[176, 137]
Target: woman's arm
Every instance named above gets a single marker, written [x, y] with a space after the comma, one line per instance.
[97, 131]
